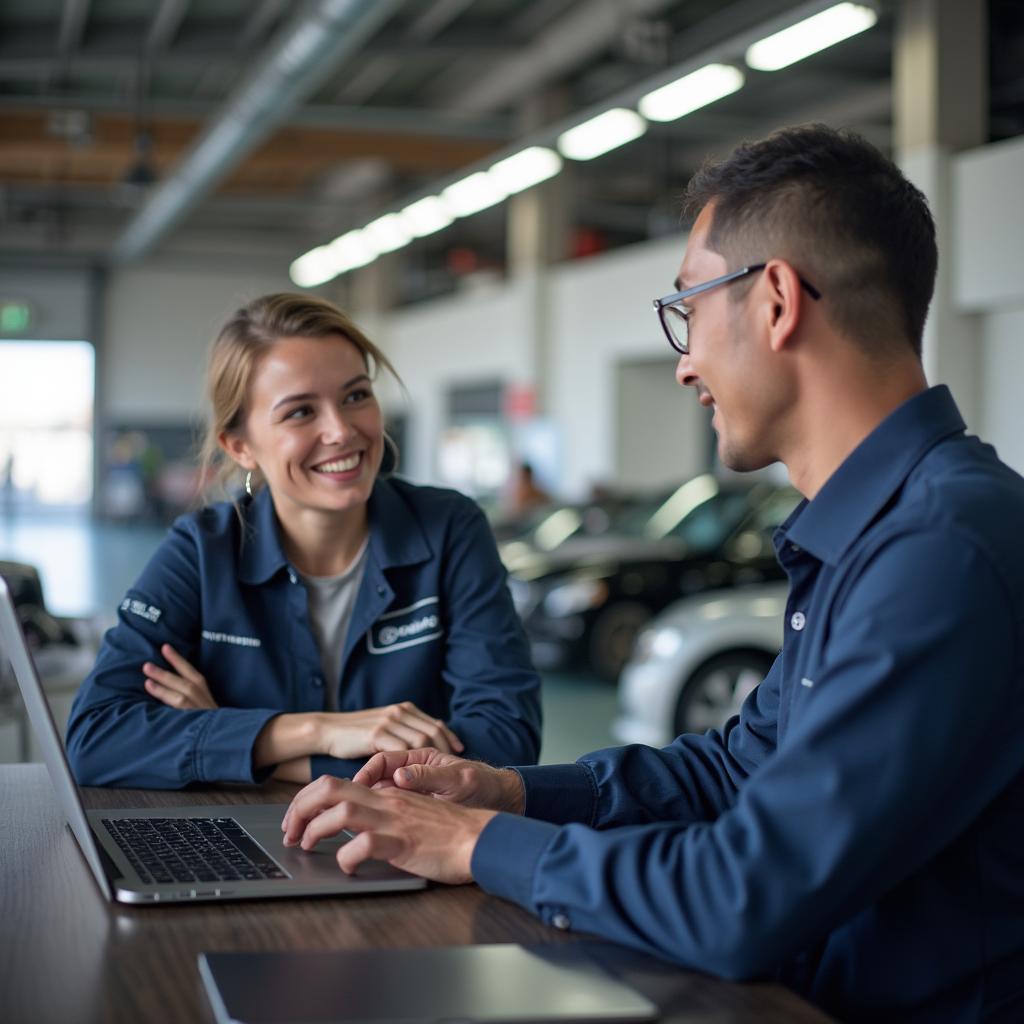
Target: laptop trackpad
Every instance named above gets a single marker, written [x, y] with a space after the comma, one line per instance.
[317, 865]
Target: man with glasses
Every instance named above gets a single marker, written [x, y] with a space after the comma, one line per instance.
[855, 831]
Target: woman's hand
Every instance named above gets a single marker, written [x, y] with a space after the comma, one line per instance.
[184, 688]
[401, 726]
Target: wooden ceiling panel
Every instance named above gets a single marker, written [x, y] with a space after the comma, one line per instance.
[287, 162]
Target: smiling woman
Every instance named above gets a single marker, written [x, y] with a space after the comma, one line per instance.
[324, 615]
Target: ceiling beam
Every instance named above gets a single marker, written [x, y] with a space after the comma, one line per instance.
[164, 27]
[372, 120]
[300, 57]
[563, 46]
[73, 17]
[262, 17]
[436, 18]
[24, 64]
[291, 158]
[72, 26]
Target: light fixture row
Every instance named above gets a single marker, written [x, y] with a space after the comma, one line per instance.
[592, 138]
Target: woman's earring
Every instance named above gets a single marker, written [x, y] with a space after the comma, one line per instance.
[248, 483]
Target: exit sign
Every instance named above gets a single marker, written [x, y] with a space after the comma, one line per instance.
[15, 317]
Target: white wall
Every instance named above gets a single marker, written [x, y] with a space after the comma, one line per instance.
[1002, 412]
[988, 258]
[662, 436]
[602, 314]
[477, 337]
[988, 224]
[159, 325]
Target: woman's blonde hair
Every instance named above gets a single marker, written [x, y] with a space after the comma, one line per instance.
[236, 353]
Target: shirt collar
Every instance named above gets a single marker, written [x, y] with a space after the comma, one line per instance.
[396, 533]
[872, 473]
[396, 536]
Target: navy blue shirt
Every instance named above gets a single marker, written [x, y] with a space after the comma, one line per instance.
[858, 830]
[433, 623]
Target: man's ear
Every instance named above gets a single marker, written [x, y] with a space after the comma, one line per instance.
[786, 298]
[237, 449]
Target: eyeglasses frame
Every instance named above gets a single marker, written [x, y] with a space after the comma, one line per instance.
[661, 304]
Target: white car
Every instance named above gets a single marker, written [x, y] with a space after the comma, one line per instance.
[697, 662]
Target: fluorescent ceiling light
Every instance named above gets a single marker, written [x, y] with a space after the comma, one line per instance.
[426, 216]
[387, 233]
[691, 92]
[601, 134]
[352, 250]
[526, 168]
[809, 36]
[314, 267]
[472, 194]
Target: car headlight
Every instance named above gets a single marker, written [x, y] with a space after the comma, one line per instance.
[656, 645]
[575, 597]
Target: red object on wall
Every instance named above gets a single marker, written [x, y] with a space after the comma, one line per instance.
[520, 402]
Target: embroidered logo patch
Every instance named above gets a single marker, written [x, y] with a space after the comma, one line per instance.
[140, 608]
[405, 627]
[230, 638]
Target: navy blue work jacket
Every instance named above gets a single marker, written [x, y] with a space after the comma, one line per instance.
[433, 623]
[858, 829]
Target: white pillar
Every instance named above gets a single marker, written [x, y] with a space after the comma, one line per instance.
[940, 104]
[538, 222]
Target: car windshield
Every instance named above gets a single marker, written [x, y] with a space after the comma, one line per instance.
[700, 513]
[554, 526]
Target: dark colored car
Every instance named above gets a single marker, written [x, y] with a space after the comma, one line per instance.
[584, 602]
[550, 526]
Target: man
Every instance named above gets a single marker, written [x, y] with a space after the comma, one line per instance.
[856, 830]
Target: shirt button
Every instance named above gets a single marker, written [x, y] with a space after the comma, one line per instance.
[292, 576]
[798, 621]
[381, 591]
[561, 922]
[317, 681]
[795, 548]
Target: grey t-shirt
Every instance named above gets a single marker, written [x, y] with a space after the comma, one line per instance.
[331, 600]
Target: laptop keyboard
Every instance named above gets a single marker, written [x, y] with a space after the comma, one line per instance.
[191, 850]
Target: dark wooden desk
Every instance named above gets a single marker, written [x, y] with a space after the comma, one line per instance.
[67, 955]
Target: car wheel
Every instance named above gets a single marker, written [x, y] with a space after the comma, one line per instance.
[613, 635]
[716, 691]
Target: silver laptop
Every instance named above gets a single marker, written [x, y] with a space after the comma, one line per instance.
[179, 854]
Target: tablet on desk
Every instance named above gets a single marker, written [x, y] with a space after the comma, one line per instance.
[448, 985]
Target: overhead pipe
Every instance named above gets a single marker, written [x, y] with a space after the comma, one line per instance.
[298, 60]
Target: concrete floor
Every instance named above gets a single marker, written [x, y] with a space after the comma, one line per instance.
[86, 567]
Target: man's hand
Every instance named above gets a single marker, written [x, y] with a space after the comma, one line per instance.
[185, 688]
[401, 726]
[408, 830]
[446, 777]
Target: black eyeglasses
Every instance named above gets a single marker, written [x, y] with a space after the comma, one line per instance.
[675, 317]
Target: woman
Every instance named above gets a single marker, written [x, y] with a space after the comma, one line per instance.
[327, 615]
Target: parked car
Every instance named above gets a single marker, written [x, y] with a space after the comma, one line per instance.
[586, 601]
[551, 527]
[696, 663]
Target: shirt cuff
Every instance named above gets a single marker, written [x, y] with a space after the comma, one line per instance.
[223, 749]
[341, 768]
[560, 793]
[506, 854]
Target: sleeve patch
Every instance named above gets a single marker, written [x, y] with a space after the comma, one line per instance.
[140, 608]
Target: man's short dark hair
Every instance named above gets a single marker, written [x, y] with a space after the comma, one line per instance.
[843, 214]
